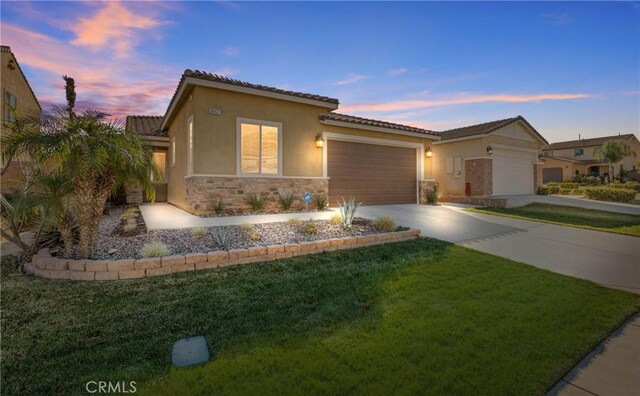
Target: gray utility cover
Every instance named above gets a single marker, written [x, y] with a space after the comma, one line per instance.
[190, 351]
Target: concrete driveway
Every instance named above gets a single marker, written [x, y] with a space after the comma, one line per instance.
[608, 259]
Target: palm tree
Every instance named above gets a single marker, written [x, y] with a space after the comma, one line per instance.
[611, 152]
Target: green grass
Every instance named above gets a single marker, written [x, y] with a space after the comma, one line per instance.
[598, 220]
[422, 317]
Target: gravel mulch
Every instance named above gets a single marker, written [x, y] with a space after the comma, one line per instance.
[183, 241]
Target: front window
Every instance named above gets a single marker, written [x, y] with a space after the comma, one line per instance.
[173, 151]
[548, 154]
[578, 152]
[10, 103]
[259, 148]
[190, 146]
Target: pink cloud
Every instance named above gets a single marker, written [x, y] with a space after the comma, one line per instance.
[226, 72]
[112, 26]
[458, 100]
[118, 86]
[351, 79]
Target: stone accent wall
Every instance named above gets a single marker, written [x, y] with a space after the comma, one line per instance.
[134, 194]
[424, 187]
[537, 176]
[235, 190]
[479, 173]
[45, 266]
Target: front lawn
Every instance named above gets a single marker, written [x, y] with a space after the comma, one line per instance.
[423, 317]
[598, 220]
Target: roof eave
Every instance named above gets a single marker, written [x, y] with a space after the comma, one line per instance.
[379, 129]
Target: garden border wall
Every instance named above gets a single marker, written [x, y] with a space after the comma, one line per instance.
[44, 265]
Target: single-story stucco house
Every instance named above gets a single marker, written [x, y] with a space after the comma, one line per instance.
[563, 160]
[224, 138]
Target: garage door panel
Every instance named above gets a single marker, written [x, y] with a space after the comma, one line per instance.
[552, 175]
[373, 174]
[512, 175]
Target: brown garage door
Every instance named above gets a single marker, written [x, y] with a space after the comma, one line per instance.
[551, 175]
[373, 174]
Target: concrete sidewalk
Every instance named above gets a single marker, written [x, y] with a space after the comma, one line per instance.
[613, 368]
[162, 216]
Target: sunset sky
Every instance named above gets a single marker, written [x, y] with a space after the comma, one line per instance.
[568, 68]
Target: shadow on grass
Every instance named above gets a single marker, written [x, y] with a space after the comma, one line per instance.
[123, 331]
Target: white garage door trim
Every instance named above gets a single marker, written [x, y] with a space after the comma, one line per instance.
[377, 141]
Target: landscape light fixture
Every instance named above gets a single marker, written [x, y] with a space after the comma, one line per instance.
[489, 150]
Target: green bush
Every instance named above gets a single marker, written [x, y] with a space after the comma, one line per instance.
[217, 205]
[385, 223]
[336, 219]
[130, 225]
[154, 249]
[569, 185]
[199, 232]
[433, 196]
[309, 228]
[250, 232]
[610, 194]
[552, 188]
[223, 237]
[543, 190]
[322, 202]
[287, 198]
[627, 185]
[294, 221]
[257, 201]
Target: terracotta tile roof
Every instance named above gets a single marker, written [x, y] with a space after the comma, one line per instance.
[588, 142]
[7, 49]
[201, 75]
[374, 123]
[146, 125]
[486, 128]
[580, 161]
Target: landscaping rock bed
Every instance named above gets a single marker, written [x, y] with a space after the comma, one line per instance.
[113, 245]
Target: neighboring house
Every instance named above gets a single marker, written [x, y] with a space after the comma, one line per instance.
[228, 139]
[17, 99]
[149, 128]
[562, 160]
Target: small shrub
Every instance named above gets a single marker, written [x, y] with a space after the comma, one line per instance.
[287, 197]
[250, 232]
[126, 216]
[257, 201]
[628, 185]
[569, 185]
[130, 225]
[543, 190]
[154, 249]
[553, 188]
[336, 218]
[433, 196]
[385, 223]
[223, 237]
[610, 194]
[321, 202]
[348, 211]
[309, 228]
[294, 221]
[199, 232]
[217, 205]
[132, 209]
[591, 180]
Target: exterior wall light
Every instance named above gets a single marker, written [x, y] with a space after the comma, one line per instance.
[489, 150]
[319, 141]
[428, 152]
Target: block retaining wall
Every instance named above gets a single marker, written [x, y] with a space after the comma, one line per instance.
[45, 266]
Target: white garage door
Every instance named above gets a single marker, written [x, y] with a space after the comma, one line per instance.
[512, 173]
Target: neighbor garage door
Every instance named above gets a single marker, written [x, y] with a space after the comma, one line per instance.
[512, 173]
[552, 175]
[373, 174]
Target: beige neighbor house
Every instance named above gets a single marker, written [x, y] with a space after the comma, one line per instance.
[228, 139]
[563, 160]
[17, 99]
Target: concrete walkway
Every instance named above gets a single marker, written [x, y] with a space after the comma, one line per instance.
[611, 260]
[162, 216]
[613, 368]
[516, 201]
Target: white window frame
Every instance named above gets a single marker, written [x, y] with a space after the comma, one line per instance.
[173, 151]
[8, 110]
[239, 122]
[190, 146]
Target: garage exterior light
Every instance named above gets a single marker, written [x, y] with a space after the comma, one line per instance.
[428, 152]
[489, 150]
[319, 141]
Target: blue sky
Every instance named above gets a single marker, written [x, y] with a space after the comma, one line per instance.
[567, 67]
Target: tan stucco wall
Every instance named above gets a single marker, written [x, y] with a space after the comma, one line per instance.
[512, 135]
[14, 82]
[568, 168]
[176, 183]
[215, 135]
[628, 162]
